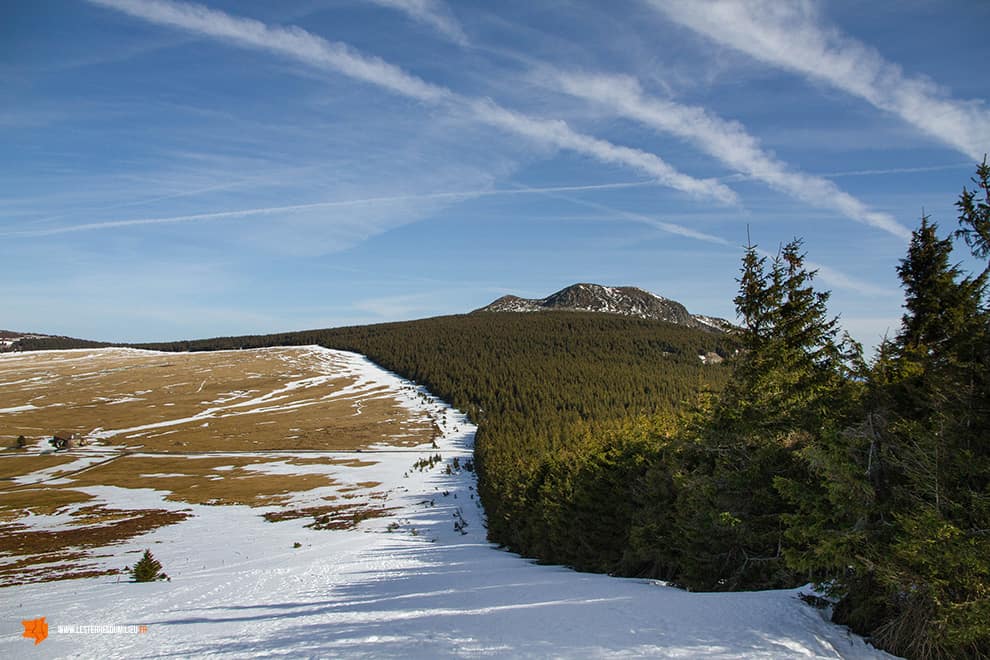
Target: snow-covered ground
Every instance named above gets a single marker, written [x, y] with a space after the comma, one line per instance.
[422, 582]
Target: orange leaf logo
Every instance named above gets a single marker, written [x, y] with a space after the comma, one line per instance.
[36, 629]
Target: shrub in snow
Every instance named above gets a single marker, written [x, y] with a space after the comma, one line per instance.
[148, 569]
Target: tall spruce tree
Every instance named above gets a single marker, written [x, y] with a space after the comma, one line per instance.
[897, 525]
[786, 386]
[933, 573]
[974, 213]
[791, 352]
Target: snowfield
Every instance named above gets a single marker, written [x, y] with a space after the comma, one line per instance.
[421, 582]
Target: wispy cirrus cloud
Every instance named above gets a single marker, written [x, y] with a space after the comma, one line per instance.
[641, 218]
[312, 50]
[344, 203]
[899, 170]
[431, 13]
[728, 141]
[833, 277]
[837, 279]
[401, 306]
[561, 135]
[292, 42]
[792, 35]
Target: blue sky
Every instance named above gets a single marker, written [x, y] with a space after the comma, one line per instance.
[173, 170]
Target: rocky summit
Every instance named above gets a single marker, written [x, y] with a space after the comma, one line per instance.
[624, 300]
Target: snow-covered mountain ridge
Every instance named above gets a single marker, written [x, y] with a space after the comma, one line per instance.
[625, 300]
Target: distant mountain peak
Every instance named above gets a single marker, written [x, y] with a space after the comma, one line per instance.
[624, 300]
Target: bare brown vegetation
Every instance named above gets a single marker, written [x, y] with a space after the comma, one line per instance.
[330, 516]
[202, 428]
[43, 555]
[228, 400]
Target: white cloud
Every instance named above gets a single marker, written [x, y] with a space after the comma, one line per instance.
[871, 331]
[401, 306]
[728, 141]
[559, 134]
[899, 170]
[838, 280]
[380, 201]
[292, 42]
[310, 49]
[432, 13]
[641, 218]
[791, 35]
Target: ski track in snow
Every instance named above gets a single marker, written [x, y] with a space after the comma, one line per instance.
[426, 589]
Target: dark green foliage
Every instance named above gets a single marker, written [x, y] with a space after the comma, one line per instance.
[739, 457]
[592, 497]
[974, 213]
[930, 557]
[942, 305]
[428, 463]
[147, 569]
[896, 523]
[57, 344]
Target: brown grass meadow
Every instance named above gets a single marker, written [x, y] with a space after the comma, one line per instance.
[201, 428]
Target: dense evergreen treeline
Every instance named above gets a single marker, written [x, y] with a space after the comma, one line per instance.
[56, 344]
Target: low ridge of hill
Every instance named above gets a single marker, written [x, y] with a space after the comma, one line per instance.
[11, 340]
[623, 300]
[13, 335]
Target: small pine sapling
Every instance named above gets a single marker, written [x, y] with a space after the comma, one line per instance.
[147, 569]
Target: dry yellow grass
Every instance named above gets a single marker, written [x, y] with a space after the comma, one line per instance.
[26, 463]
[231, 400]
[239, 401]
[323, 460]
[40, 501]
